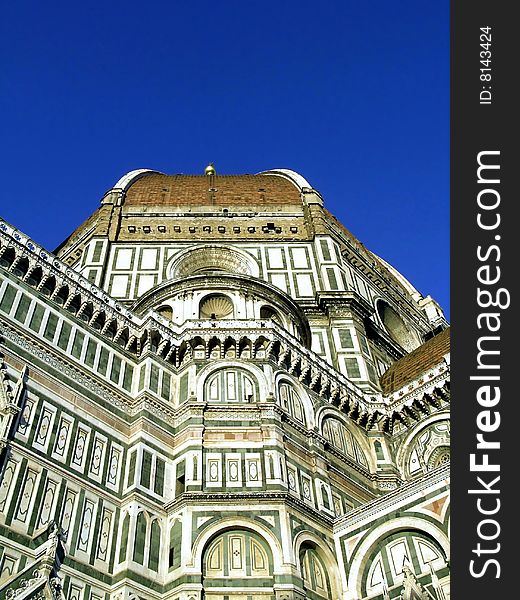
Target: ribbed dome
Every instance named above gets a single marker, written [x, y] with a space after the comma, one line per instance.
[156, 189]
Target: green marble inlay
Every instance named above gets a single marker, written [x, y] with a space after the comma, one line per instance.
[50, 327]
[103, 361]
[159, 477]
[146, 471]
[131, 468]
[37, 318]
[90, 354]
[116, 369]
[165, 387]
[141, 377]
[22, 309]
[7, 301]
[154, 378]
[345, 338]
[64, 336]
[78, 344]
[127, 378]
[98, 247]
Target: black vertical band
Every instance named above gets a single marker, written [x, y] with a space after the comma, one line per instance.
[485, 325]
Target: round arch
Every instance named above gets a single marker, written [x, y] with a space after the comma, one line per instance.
[218, 365]
[221, 304]
[209, 533]
[266, 311]
[327, 555]
[211, 257]
[365, 548]
[326, 411]
[406, 447]
[399, 330]
[281, 377]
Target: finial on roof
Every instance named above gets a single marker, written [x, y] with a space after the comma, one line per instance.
[210, 170]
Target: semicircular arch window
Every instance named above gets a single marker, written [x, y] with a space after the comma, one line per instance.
[314, 573]
[231, 385]
[342, 439]
[412, 550]
[429, 449]
[266, 312]
[211, 258]
[165, 311]
[291, 402]
[235, 555]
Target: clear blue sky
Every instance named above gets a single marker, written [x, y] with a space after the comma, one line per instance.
[353, 95]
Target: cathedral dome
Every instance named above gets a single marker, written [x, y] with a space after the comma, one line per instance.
[209, 361]
[157, 189]
[206, 222]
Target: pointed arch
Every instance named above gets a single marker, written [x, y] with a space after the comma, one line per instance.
[34, 276]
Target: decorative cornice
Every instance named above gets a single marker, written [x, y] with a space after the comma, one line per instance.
[391, 499]
[72, 372]
[242, 497]
[347, 300]
[434, 378]
[313, 371]
[52, 265]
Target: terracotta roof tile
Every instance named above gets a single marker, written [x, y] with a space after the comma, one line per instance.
[230, 190]
[420, 360]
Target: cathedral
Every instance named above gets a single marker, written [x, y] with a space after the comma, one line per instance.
[211, 390]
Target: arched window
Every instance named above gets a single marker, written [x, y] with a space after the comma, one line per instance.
[266, 312]
[342, 439]
[209, 258]
[290, 401]
[234, 559]
[314, 573]
[231, 385]
[216, 306]
[399, 331]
